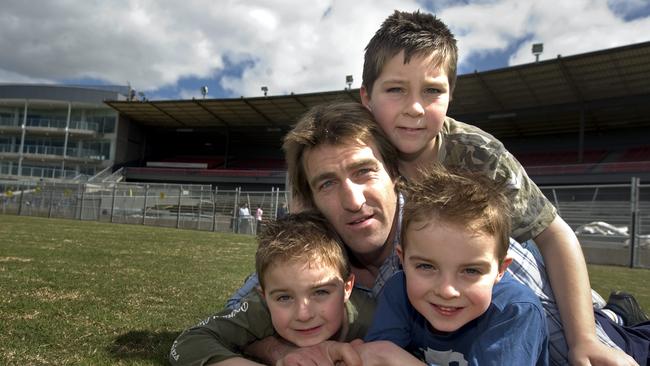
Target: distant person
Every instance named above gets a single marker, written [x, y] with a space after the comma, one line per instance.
[454, 302]
[258, 218]
[244, 219]
[306, 296]
[282, 211]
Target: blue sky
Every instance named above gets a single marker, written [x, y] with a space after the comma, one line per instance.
[168, 49]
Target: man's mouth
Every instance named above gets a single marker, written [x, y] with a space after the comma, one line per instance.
[360, 220]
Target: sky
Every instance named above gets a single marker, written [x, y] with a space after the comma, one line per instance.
[169, 49]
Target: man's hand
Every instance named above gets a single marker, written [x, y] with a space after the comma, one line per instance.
[328, 353]
[594, 353]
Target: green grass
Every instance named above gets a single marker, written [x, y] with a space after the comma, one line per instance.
[89, 293]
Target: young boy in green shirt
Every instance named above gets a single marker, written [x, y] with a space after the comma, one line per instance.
[306, 297]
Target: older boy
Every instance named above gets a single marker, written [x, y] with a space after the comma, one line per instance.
[408, 79]
[454, 301]
[306, 298]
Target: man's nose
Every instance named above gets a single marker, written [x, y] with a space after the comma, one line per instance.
[352, 196]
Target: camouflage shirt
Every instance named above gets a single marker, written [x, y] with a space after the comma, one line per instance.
[466, 146]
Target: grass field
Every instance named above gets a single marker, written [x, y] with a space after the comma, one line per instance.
[93, 293]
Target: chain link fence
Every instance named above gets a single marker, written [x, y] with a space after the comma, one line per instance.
[198, 207]
[611, 221]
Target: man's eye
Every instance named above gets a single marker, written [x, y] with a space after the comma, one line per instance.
[325, 185]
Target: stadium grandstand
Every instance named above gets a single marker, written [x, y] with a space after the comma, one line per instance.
[582, 119]
[570, 120]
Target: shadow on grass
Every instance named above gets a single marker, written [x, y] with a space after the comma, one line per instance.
[143, 345]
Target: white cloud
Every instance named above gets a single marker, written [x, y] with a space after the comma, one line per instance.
[287, 45]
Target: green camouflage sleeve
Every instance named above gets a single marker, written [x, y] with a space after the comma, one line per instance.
[466, 146]
[223, 335]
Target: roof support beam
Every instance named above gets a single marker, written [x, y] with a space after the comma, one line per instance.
[259, 112]
[489, 91]
[198, 102]
[165, 113]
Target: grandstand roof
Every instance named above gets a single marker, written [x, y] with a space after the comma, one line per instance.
[608, 89]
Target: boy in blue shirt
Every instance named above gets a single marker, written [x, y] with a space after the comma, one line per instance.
[454, 300]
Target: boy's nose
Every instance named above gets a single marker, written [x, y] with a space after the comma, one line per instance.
[414, 107]
[304, 311]
[446, 289]
[352, 197]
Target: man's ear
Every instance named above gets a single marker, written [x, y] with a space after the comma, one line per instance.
[348, 286]
[400, 253]
[502, 268]
[365, 97]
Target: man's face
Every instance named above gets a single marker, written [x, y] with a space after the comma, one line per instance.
[409, 101]
[450, 272]
[352, 189]
[306, 301]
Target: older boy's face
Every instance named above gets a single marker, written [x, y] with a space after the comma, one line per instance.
[352, 189]
[450, 272]
[409, 101]
[306, 301]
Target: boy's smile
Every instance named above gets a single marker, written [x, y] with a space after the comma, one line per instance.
[450, 272]
[306, 300]
[409, 101]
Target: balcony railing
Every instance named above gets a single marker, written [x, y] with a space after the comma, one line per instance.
[56, 123]
[53, 150]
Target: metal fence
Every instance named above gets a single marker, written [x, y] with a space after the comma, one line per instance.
[184, 206]
[611, 221]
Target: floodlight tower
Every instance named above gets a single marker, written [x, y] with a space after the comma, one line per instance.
[348, 80]
[538, 48]
[204, 90]
[265, 89]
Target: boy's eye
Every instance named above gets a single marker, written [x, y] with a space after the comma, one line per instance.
[432, 91]
[321, 292]
[283, 298]
[424, 267]
[473, 271]
[394, 90]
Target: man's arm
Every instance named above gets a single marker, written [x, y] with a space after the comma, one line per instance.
[567, 272]
[275, 351]
[385, 353]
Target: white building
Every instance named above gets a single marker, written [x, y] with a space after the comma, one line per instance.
[57, 132]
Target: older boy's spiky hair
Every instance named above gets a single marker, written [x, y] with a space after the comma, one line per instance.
[304, 237]
[416, 34]
[442, 195]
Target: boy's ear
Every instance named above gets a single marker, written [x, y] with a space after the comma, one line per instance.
[347, 287]
[260, 290]
[365, 97]
[502, 268]
[400, 253]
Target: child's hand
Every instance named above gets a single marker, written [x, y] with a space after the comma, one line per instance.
[328, 353]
